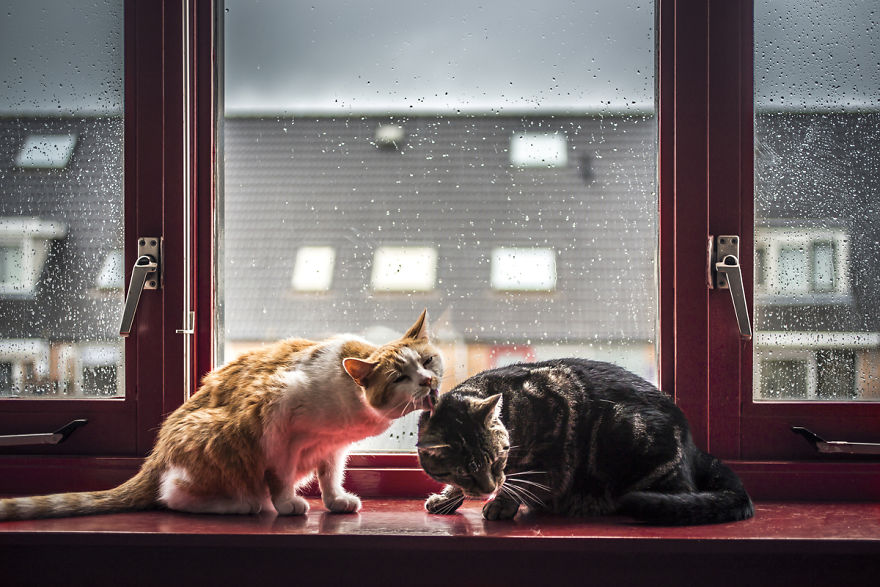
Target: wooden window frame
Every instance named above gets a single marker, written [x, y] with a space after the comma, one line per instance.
[705, 166]
[122, 431]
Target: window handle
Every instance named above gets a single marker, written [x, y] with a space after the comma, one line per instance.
[56, 437]
[837, 446]
[727, 274]
[146, 274]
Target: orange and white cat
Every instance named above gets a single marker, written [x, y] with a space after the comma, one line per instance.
[264, 424]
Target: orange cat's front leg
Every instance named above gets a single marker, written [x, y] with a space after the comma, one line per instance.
[330, 473]
[284, 497]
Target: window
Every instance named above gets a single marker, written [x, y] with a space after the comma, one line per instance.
[304, 168]
[815, 337]
[25, 368]
[800, 261]
[313, 270]
[24, 247]
[404, 269]
[112, 271]
[99, 370]
[90, 162]
[538, 150]
[521, 269]
[46, 151]
[476, 189]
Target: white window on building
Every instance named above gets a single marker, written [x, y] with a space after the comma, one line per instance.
[404, 269]
[313, 269]
[100, 367]
[24, 246]
[24, 367]
[46, 151]
[111, 274]
[798, 261]
[523, 269]
[786, 374]
[530, 149]
[805, 365]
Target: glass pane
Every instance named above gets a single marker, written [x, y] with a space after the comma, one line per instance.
[61, 205]
[493, 163]
[817, 156]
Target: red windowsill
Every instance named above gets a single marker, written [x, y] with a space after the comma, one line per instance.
[398, 475]
[394, 542]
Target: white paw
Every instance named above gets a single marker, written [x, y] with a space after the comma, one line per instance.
[294, 506]
[344, 503]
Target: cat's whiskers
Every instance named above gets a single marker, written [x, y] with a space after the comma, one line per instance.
[525, 492]
[533, 484]
[520, 473]
[516, 494]
[453, 504]
[405, 406]
[449, 505]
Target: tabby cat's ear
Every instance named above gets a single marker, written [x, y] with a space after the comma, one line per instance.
[489, 408]
[419, 330]
[358, 370]
[431, 446]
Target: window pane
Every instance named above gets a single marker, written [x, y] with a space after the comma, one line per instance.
[61, 203]
[494, 163]
[823, 267]
[793, 270]
[817, 154]
[787, 379]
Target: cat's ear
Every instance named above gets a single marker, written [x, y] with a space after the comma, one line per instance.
[431, 446]
[358, 370]
[419, 330]
[490, 408]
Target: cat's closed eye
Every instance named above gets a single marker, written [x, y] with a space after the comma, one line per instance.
[401, 379]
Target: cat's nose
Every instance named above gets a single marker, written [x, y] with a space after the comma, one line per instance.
[426, 381]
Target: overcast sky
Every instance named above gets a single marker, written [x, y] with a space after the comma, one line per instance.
[287, 56]
[409, 55]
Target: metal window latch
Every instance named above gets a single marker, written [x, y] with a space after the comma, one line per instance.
[56, 437]
[146, 274]
[724, 272]
[837, 446]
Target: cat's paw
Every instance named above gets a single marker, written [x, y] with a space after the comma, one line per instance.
[439, 503]
[293, 506]
[344, 503]
[500, 509]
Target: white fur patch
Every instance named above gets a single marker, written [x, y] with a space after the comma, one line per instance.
[176, 498]
[170, 493]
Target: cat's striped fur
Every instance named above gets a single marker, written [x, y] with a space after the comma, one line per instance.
[264, 424]
[573, 437]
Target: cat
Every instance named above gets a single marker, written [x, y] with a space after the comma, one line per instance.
[264, 424]
[573, 437]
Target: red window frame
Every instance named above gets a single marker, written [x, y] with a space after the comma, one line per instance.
[110, 447]
[705, 167]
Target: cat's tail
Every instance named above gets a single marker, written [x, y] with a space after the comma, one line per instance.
[720, 497]
[138, 493]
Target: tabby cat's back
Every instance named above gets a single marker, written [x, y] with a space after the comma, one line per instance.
[579, 438]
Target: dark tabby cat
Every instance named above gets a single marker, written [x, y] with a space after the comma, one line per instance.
[573, 437]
